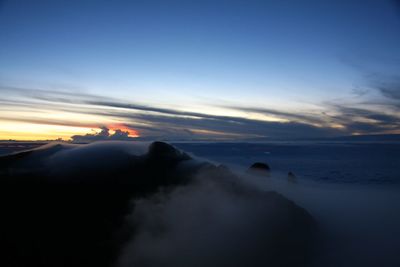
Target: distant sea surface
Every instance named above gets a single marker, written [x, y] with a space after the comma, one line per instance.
[328, 162]
[331, 162]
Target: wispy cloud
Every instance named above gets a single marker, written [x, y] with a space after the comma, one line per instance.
[331, 119]
[389, 87]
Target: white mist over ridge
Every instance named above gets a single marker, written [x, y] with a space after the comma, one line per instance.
[182, 211]
[207, 223]
[359, 216]
[218, 211]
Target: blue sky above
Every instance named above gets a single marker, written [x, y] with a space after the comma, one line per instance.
[226, 58]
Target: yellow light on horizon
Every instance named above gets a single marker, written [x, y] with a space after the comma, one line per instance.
[32, 131]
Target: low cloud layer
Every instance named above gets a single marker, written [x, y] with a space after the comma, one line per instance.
[210, 223]
[103, 135]
[128, 204]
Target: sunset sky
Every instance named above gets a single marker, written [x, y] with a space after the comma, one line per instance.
[183, 70]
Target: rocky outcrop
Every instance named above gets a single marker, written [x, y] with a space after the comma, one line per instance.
[260, 168]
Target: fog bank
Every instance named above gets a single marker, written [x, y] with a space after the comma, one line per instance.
[125, 204]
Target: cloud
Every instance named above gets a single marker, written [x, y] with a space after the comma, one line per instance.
[389, 87]
[375, 114]
[365, 121]
[245, 128]
[307, 118]
[212, 223]
[146, 205]
[327, 120]
[374, 111]
[103, 135]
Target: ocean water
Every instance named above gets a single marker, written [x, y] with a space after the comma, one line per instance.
[325, 162]
[354, 163]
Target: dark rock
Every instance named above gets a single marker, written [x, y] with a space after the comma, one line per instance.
[163, 151]
[260, 168]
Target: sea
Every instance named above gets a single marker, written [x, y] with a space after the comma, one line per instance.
[325, 162]
[363, 163]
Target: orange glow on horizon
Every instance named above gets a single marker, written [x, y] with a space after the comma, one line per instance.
[124, 128]
[32, 131]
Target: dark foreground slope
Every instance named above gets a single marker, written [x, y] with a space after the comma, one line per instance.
[119, 204]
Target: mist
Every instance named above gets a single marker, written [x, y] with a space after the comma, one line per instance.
[358, 224]
[126, 204]
[218, 222]
[151, 204]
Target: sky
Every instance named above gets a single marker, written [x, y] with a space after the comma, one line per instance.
[198, 70]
